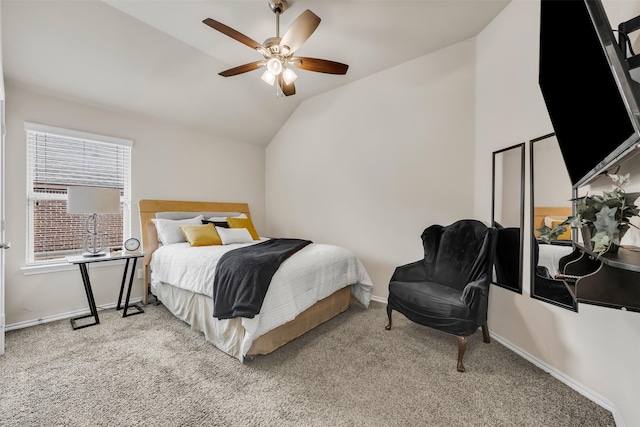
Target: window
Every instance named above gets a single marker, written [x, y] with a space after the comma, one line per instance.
[57, 159]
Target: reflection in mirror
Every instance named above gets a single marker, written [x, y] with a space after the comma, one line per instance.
[551, 193]
[507, 214]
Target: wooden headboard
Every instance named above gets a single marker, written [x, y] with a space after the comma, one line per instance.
[148, 209]
[539, 214]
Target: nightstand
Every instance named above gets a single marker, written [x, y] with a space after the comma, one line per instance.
[83, 261]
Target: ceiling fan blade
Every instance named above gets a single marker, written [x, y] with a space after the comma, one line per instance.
[232, 33]
[319, 65]
[300, 30]
[242, 69]
[287, 89]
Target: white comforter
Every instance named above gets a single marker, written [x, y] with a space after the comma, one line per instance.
[311, 274]
[550, 256]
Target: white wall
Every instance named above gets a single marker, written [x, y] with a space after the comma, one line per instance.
[597, 348]
[552, 186]
[370, 165]
[168, 162]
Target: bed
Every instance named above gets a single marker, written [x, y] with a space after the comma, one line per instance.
[551, 216]
[550, 255]
[313, 285]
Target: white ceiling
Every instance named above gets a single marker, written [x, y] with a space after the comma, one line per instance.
[156, 57]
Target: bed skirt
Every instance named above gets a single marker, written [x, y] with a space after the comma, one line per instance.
[228, 334]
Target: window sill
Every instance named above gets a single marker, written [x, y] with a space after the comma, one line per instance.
[30, 270]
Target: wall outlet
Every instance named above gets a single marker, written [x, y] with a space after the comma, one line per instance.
[139, 273]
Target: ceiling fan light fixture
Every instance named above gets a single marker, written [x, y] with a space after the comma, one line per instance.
[262, 51]
[268, 77]
[278, 51]
[274, 66]
[288, 75]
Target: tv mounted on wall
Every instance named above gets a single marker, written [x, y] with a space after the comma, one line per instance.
[593, 102]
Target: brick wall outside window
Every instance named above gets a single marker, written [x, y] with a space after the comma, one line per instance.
[57, 233]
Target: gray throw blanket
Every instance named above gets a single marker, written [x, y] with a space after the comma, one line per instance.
[243, 276]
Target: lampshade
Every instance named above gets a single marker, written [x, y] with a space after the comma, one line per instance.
[274, 66]
[90, 200]
[269, 77]
[288, 75]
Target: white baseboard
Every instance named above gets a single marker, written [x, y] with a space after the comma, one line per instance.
[596, 398]
[378, 299]
[63, 316]
[577, 386]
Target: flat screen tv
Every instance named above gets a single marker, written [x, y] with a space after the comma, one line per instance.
[591, 98]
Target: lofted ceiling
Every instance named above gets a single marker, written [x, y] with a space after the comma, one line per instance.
[157, 58]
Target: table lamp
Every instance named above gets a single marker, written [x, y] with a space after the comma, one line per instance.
[93, 201]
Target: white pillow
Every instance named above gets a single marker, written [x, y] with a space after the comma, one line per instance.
[234, 235]
[224, 218]
[169, 229]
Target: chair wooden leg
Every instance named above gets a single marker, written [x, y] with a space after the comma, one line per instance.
[388, 327]
[485, 333]
[462, 347]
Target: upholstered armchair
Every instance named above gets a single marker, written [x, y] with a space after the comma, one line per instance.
[448, 290]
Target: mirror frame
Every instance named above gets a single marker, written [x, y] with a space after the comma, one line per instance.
[521, 146]
[533, 263]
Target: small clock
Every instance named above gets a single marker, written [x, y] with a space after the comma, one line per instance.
[132, 244]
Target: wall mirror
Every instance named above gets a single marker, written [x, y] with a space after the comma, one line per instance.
[507, 214]
[551, 194]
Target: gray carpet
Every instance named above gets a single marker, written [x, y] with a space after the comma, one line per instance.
[152, 370]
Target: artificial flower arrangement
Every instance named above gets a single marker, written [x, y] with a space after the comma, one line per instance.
[604, 218]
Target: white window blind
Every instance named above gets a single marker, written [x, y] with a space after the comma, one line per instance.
[60, 158]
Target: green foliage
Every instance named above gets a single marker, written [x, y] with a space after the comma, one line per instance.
[610, 214]
[547, 234]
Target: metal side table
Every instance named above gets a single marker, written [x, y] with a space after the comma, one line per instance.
[82, 261]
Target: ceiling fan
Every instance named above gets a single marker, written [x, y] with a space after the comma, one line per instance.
[278, 52]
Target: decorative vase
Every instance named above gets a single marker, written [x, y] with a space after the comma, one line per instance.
[612, 248]
[588, 231]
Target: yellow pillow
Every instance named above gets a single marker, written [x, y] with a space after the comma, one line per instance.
[201, 235]
[564, 236]
[244, 223]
